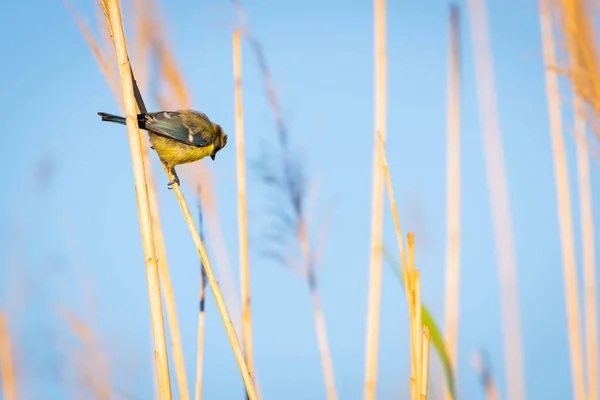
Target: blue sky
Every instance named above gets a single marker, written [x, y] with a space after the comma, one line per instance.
[85, 222]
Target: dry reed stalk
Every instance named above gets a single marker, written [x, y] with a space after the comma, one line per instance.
[499, 198]
[415, 312]
[485, 376]
[390, 191]
[589, 257]
[168, 292]
[425, 363]
[413, 298]
[453, 195]
[7, 372]
[576, 20]
[242, 207]
[375, 264]
[165, 276]
[577, 25]
[563, 206]
[414, 307]
[160, 249]
[413, 361]
[418, 327]
[201, 318]
[214, 286]
[141, 40]
[213, 225]
[113, 15]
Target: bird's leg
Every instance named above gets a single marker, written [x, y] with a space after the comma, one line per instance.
[175, 178]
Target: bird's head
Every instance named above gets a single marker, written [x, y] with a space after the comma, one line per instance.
[220, 141]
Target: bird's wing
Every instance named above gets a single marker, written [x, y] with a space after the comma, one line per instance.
[192, 129]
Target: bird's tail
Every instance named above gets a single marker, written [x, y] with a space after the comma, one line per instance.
[112, 118]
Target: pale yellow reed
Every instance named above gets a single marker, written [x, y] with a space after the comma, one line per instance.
[242, 207]
[563, 207]
[375, 267]
[7, 371]
[497, 183]
[113, 15]
[453, 180]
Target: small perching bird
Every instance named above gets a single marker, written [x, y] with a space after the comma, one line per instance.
[179, 137]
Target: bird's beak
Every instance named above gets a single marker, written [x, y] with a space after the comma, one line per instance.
[212, 156]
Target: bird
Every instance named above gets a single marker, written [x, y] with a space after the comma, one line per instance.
[178, 137]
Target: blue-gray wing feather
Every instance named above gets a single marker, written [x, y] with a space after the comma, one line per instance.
[189, 127]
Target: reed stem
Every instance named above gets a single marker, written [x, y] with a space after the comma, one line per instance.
[214, 286]
[425, 362]
[563, 207]
[242, 207]
[375, 273]
[453, 182]
[113, 14]
[167, 287]
[589, 256]
[500, 201]
[7, 372]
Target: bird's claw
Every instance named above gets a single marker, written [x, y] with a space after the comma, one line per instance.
[171, 183]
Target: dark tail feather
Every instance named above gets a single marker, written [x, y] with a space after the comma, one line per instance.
[112, 118]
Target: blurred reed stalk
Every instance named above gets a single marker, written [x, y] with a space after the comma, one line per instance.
[576, 20]
[425, 370]
[415, 319]
[419, 348]
[499, 198]
[113, 15]
[589, 257]
[142, 40]
[201, 316]
[375, 264]
[485, 376]
[564, 206]
[453, 194]
[7, 372]
[242, 208]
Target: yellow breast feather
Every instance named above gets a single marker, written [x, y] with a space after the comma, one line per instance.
[173, 152]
